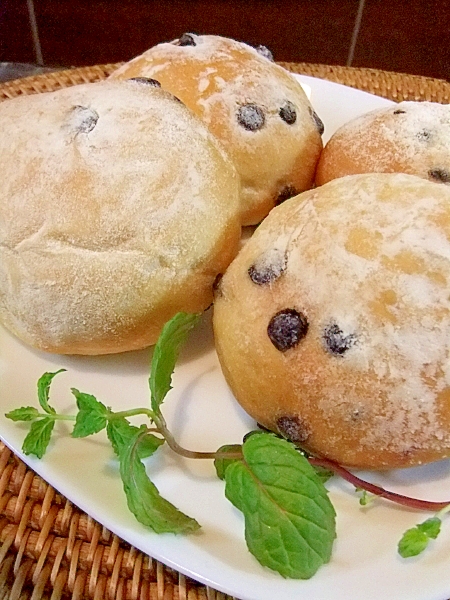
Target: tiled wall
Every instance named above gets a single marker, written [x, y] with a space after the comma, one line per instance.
[411, 36]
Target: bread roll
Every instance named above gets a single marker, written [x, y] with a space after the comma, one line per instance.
[257, 109]
[332, 325]
[117, 209]
[409, 137]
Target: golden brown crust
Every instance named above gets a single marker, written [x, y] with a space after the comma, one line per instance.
[332, 325]
[117, 210]
[217, 78]
[409, 137]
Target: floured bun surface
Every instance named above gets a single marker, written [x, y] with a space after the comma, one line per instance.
[332, 325]
[409, 137]
[256, 108]
[117, 209]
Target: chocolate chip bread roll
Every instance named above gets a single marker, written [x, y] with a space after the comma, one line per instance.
[117, 210]
[257, 110]
[332, 325]
[409, 137]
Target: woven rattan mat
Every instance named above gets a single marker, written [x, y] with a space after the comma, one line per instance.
[395, 86]
[49, 548]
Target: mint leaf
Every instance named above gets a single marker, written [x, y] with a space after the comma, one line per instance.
[26, 413]
[324, 473]
[222, 463]
[92, 415]
[43, 386]
[415, 540]
[38, 438]
[165, 354]
[143, 498]
[120, 433]
[289, 519]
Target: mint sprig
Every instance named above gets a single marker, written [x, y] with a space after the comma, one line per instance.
[130, 443]
[415, 540]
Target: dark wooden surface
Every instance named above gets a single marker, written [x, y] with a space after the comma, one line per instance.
[411, 36]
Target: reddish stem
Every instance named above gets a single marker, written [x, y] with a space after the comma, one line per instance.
[376, 489]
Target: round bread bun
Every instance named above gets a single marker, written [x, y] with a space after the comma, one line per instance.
[332, 325]
[257, 109]
[117, 210]
[409, 137]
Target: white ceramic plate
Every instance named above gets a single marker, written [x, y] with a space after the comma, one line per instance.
[203, 415]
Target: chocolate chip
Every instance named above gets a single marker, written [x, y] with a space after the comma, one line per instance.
[146, 81]
[251, 117]
[317, 121]
[336, 341]
[84, 119]
[217, 286]
[268, 268]
[262, 276]
[287, 328]
[439, 175]
[287, 192]
[293, 428]
[264, 51]
[288, 113]
[399, 111]
[424, 135]
[186, 40]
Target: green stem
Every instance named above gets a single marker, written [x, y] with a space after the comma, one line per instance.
[162, 429]
[175, 446]
[132, 413]
[57, 417]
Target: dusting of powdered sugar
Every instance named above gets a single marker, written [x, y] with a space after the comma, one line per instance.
[412, 135]
[114, 192]
[389, 297]
[220, 79]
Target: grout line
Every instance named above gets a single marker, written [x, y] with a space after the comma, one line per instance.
[355, 33]
[35, 33]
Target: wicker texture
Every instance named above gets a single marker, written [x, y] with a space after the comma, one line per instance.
[49, 548]
[395, 86]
